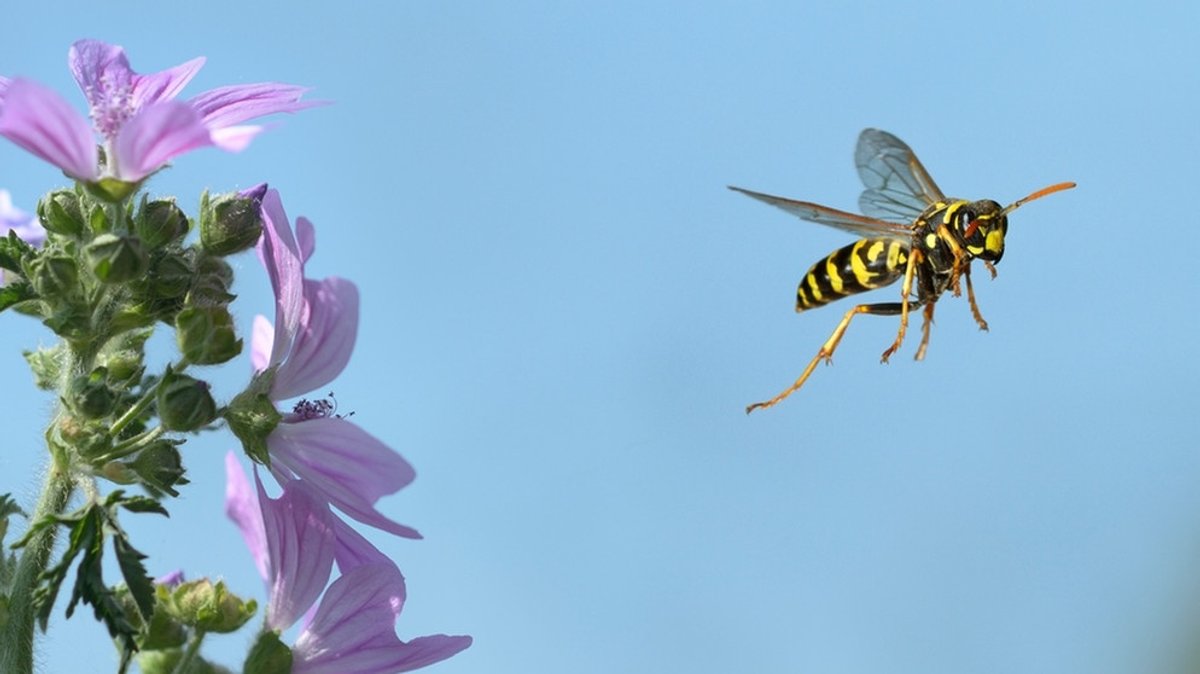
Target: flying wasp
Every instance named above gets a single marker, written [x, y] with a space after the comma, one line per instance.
[911, 231]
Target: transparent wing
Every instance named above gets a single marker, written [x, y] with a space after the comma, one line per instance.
[849, 222]
[898, 186]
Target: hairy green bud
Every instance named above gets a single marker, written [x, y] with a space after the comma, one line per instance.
[184, 403]
[54, 275]
[201, 604]
[160, 467]
[90, 396]
[61, 213]
[160, 222]
[230, 223]
[206, 336]
[116, 259]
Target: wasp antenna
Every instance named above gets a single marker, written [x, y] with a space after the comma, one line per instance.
[1058, 187]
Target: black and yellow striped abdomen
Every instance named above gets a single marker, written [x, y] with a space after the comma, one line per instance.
[864, 265]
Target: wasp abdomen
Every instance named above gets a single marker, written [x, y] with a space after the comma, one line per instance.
[864, 265]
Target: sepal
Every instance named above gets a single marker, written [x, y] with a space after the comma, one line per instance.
[269, 655]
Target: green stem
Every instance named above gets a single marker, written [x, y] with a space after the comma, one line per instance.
[16, 636]
[189, 655]
[133, 444]
[136, 411]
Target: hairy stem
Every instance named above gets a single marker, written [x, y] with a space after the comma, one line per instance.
[16, 636]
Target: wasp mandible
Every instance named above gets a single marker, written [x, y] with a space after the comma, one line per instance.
[911, 231]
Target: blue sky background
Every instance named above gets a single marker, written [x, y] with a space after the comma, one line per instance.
[565, 311]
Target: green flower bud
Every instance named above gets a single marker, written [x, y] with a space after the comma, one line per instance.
[61, 213]
[167, 662]
[116, 259]
[231, 222]
[170, 276]
[54, 275]
[160, 467]
[160, 222]
[269, 655]
[90, 395]
[184, 403]
[202, 605]
[90, 439]
[213, 279]
[118, 472]
[206, 336]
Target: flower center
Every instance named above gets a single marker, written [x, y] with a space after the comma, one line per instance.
[112, 105]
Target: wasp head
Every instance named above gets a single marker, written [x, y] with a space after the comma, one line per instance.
[982, 226]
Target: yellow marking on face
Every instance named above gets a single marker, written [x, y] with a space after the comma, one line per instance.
[930, 240]
[858, 266]
[835, 278]
[812, 285]
[874, 251]
[995, 241]
[975, 250]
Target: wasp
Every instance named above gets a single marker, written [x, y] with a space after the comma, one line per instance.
[910, 231]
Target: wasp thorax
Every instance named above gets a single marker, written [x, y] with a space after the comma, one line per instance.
[982, 226]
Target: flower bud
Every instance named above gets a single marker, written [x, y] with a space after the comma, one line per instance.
[212, 608]
[61, 213]
[231, 222]
[160, 222]
[167, 662]
[90, 439]
[90, 396]
[116, 259]
[170, 275]
[54, 275]
[184, 403]
[160, 467]
[213, 279]
[205, 335]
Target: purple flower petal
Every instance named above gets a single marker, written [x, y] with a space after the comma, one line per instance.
[166, 85]
[300, 544]
[306, 237]
[170, 579]
[228, 106]
[26, 225]
[325, 340]
[241, 506]
[346, 465]
[354, 629]
[234, 138]
[4, 82]
[154, 136]
[281, 257]
[353, 550]
[262, 338]
[101, 70]
[41, 122]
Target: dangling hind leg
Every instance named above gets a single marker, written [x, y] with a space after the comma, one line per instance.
[971, 298]
[920, 355]
[905, 290]
[830, 345]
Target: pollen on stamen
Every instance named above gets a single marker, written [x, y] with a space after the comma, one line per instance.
[112, 105]
[323, 408]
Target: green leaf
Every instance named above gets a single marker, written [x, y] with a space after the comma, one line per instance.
[15, 292]
[46, 365]
[141, 587]
[143, 504]
[13, 250]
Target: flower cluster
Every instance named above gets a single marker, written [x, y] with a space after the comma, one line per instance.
[103, 265]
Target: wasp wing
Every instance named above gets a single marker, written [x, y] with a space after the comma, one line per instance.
[849, 222]
[898, 187]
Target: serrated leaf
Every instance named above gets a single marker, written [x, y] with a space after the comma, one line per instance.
[46, 365]
[143, 504]
[12, 250]
[141, 587]
[14, 293]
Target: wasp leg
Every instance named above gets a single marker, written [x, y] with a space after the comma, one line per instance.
[905, 289]
[971, 298]
[990, 267]
[830, 345]
[959, 258]
[920, 355]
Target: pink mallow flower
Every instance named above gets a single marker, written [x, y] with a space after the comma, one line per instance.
[26, 225]
[141, 123]
[294, 540]
[316, 323]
